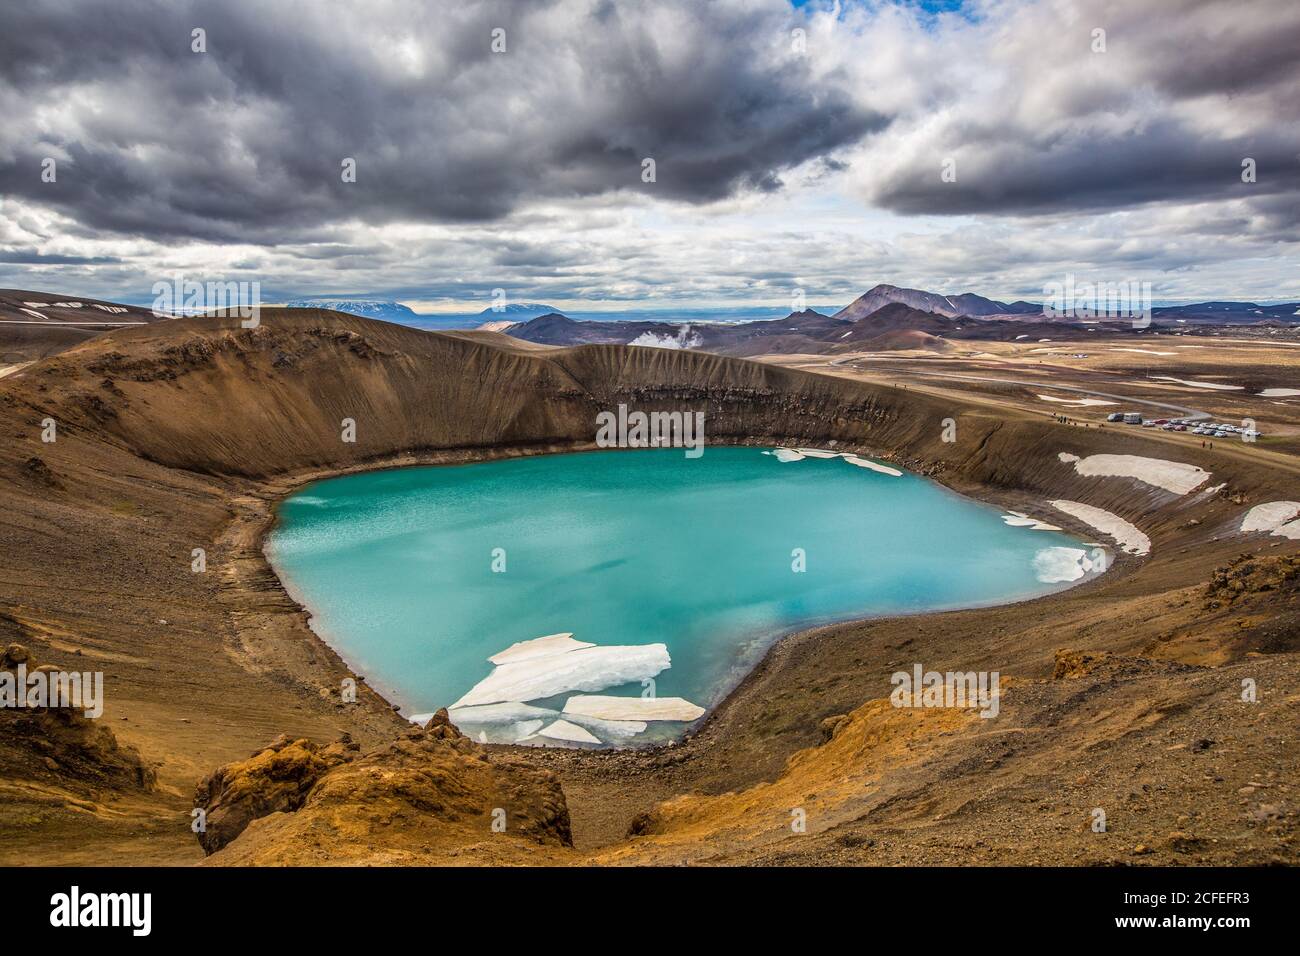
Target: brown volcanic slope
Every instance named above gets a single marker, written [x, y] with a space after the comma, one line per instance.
[182, 435]
[36, 324]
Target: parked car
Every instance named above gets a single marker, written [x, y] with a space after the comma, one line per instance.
[1115, 417]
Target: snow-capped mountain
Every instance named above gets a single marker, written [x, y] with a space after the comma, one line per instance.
[518, 311]
[367, 308]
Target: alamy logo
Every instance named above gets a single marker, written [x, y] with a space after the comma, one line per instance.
[1100, 300]
[47, 688]
[962, 689]
[651, 430]
[75, 908]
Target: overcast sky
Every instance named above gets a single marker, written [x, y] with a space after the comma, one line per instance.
[783, 159]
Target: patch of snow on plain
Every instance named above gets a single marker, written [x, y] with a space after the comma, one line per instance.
[1176, 476]
[1066, 457]
[1279, 392]
[1144, 351]
[1129, 537]
[1275, 517]
[1214, 385]
[1081, 402]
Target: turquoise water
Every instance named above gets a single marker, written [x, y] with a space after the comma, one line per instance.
[630, 548]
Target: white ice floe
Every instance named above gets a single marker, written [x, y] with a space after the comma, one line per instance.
[799, 454]
[1058, 565]
[585, 669]
[609, 730]
[565, 731]
[1017, 519]
[1079, 402]
[633, 708]
[1129, 537]
[1279, 392]
[873, 466]
[509, 712]
[1280, 518]
[1066, 457]
[1176, 476]
[1192, 384]
[526, 728]
[539, 647]
[817, 453]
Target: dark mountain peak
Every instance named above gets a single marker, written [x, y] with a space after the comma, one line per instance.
[549, 320]
[965, 303]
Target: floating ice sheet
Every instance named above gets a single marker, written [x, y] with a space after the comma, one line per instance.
[633, 708]
[539, 647]
[1018, 519]
[565, 731]
[509, 712]
[1058, 565]
[874, 466]
[586, 669]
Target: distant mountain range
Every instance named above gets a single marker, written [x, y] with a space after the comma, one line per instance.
[884, 318]
[391, 311]
[36, 324]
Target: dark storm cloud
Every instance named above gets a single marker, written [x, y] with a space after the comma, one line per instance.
[1183, 92]
[31, 257]
[244, 142]
[1005, 174]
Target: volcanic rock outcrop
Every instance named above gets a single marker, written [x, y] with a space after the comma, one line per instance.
[428, 797]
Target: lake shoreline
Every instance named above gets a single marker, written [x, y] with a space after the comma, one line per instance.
[391, 700]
